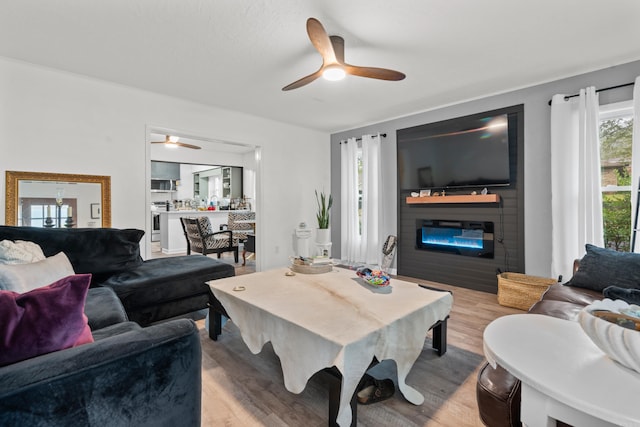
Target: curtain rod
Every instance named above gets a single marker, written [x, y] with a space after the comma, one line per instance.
[384, 135]
[599, 90]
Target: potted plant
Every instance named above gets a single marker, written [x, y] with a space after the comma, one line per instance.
[324, 205]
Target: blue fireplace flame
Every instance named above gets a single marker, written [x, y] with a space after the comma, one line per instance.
[452, 237]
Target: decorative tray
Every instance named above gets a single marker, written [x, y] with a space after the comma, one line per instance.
[375, 278]
[311, 269]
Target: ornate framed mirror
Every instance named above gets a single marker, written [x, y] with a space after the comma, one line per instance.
[57, 200]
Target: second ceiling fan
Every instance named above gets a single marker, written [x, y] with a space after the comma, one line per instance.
[174, 141]
[333, 66]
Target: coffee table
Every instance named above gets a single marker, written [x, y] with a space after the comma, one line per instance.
[332, 320]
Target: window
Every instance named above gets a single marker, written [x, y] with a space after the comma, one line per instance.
[616, 130]
[34, 212]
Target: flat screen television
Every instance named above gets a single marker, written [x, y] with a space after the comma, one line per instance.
[471, 151]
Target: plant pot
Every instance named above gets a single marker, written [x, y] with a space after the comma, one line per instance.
[323, 236]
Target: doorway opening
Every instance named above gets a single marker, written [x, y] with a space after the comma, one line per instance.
[212, 180]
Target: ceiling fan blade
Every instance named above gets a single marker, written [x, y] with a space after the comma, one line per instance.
[374, 73]
[166, 140]
[185, 145]
[303, 81]
[337, 43]
[320, 40]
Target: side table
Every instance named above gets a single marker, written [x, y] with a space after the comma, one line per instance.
[564, 375]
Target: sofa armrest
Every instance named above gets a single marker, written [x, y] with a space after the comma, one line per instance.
[576, 265]
[145, 377]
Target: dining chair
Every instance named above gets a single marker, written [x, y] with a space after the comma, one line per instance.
[249, 246]
[240, 223]
[202, 239]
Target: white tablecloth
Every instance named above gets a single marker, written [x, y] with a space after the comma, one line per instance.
[316, 321]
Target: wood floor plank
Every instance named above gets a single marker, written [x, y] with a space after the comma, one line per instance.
[243, 389]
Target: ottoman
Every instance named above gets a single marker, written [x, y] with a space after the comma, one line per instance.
[162, 288]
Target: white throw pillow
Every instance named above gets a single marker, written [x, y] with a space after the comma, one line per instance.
[23, 278]
[20, 252]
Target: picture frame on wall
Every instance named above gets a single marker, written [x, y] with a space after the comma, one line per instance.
[95, 210]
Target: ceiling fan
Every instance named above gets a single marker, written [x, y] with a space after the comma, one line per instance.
[333, 66]
[174, 141]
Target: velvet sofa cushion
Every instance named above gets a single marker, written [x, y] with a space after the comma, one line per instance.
[99, 251]
[139, 377]
[26, 277]
[103, 308]
[601, 268]
[43, 320]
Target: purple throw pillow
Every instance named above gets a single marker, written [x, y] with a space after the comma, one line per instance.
[44, 320]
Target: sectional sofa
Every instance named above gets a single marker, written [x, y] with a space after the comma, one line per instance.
[131, 362]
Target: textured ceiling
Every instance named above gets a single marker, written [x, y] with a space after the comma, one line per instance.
[238, 54]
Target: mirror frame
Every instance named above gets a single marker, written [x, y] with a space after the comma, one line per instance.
[11, 195]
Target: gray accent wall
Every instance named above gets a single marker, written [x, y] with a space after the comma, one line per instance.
[534, 236]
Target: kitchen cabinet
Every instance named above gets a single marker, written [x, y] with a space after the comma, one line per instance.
[165, 170]
[200, 186]
[232, 182]
[196, 186]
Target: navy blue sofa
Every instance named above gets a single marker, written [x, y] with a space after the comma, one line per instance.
[144, 368]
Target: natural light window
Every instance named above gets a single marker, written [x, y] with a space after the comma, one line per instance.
[616, 130]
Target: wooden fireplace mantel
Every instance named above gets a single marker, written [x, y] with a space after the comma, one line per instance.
[467, 198]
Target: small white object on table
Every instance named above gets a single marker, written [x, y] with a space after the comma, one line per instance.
[316, 321]
[564, 375]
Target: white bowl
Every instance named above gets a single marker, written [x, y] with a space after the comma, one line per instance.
[619, 343]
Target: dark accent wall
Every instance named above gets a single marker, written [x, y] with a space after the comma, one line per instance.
[507, 216]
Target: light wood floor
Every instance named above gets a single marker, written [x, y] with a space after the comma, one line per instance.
[243, 389]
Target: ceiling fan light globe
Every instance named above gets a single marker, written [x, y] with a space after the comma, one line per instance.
[174, 138]
[171, 145]
[334, 73]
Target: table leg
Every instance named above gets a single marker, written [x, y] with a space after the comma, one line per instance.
[440, 337]
[216, 311]
[440, 328]
[215, 323]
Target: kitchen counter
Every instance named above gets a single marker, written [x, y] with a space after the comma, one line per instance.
[172, 238]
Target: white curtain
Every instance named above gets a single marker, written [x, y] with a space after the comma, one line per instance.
[350, 242]
[361, 245]
[576, 198]
[370, 246]
[635, 157]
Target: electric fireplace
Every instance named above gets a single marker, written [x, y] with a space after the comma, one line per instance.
[467, 238]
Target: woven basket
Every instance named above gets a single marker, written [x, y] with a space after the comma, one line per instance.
[520, 290]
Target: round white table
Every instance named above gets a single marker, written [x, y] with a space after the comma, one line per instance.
[564, 375]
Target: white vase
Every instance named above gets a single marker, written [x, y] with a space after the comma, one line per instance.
[323, 236]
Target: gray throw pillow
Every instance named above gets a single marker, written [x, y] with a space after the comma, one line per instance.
[22, 278]
[601, 268]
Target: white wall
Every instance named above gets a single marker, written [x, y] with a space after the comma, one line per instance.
[53, 121]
